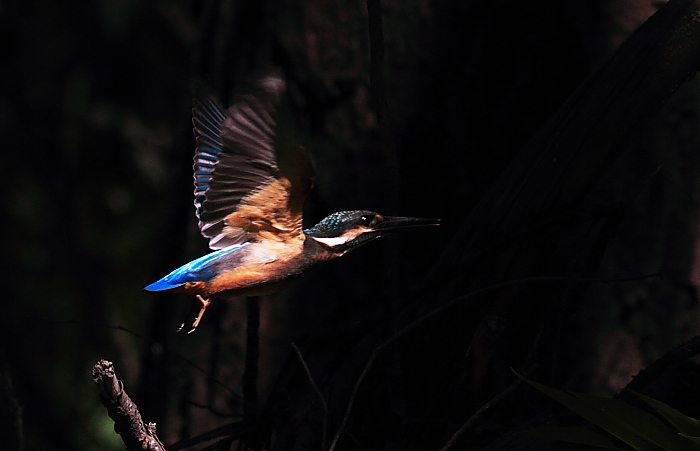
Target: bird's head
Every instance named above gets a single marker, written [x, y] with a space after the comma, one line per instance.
[346, 230]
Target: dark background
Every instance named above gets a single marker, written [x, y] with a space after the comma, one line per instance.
[97, 146]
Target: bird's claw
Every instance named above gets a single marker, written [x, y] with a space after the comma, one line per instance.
[205, 304]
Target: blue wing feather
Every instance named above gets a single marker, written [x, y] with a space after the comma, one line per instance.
[202, 269]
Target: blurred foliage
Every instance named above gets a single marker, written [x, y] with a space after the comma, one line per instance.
[640, 430]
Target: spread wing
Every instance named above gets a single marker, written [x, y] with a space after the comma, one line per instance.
[243, 192]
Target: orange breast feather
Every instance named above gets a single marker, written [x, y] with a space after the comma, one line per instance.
[268, 263]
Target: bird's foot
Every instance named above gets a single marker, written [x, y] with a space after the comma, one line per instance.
[205, 304]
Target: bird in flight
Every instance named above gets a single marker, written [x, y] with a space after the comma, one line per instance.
[251, 178]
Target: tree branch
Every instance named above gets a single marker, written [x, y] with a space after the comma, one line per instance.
[128, 423]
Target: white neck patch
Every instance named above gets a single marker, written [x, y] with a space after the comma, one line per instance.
[342, 239]
[333, 241]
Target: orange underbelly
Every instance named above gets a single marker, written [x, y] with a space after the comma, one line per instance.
[253, 280]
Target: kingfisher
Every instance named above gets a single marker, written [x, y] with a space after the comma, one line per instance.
[251, 177]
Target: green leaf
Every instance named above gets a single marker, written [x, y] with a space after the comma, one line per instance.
[631, 425]
[686, 425]
[577, 435]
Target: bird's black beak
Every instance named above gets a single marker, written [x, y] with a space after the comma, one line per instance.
[392, 223]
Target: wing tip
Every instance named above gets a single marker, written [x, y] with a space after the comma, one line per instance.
[163, 285]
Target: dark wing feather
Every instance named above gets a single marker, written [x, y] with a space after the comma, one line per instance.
[236, 157]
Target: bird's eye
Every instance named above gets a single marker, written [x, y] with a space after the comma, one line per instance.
[367, 220]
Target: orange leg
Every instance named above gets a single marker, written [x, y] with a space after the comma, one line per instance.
[205, 304]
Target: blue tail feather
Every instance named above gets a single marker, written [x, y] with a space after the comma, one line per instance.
[202, 269]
